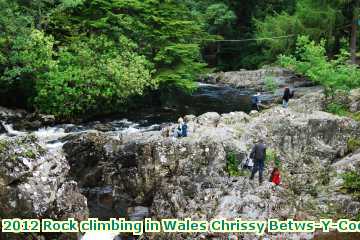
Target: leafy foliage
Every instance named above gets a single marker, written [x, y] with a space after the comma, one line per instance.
[311, 60]
[337, 108]
[93, 75]
[352, 183]
[317, 19]
[353, 144]
[165, 32]
[219, 18]
[72, 57]
[340, 109]
[232, 164]
[272, 156]
[47, 46]
[271, 84]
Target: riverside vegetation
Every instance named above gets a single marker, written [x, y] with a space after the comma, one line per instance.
[74, 57]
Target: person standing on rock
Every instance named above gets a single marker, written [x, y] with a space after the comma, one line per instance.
[255, 102]
[184, 129]
[258, 153]
[286, 97]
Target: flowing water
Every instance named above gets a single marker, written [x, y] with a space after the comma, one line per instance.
[207, 98]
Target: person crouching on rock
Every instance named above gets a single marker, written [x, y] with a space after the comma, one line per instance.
[181, 130]
[275, 177]
[258, 153]
[255, 102]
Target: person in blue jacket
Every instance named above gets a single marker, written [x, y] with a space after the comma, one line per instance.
[255, 102]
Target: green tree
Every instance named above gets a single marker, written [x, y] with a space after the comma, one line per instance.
[165, 32]
[25, 54]
[316, 19]
[353, 9]
[68, 57]
[311, 60]
[94, 75]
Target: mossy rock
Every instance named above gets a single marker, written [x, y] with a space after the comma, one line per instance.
[353, 144]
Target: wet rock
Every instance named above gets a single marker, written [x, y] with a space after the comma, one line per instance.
[11, 114]
[27, 125]
[33, 121]
[47, 120]
[102, 204]
[103, 127]
[2, 128]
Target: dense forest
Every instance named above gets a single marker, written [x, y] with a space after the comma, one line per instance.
[70, 57]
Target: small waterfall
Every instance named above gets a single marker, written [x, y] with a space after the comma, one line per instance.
[10, 130]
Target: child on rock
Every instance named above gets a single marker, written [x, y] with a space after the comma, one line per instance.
[275, 176]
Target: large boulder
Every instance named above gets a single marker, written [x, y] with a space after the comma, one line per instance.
[34, 121]
[135, 169]
[11, 114]
[85, 155]
[33, 182]
[256, 79]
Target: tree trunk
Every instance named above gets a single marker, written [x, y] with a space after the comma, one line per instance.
[353, 44]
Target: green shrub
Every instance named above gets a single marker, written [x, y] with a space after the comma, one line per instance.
[73, 59]
[311, 60]
[271, 156]
[356, 116]
[270, 84]
[353, 144]
[94, 75]
[338, 109]
[232, 165]
[29, 154]
[3, 145]
[341, 110]
[352, 183]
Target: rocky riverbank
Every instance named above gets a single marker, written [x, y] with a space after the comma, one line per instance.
[150, 174]
[257, 80]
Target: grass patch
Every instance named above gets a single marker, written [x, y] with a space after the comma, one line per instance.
[29, 154]
[353, 144]
[352, 183]
[337, 109]
[272, 156]
[3, 145]
[232, 165]
[356, 116]
[341, 110]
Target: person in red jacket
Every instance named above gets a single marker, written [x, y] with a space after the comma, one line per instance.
[275, 176]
